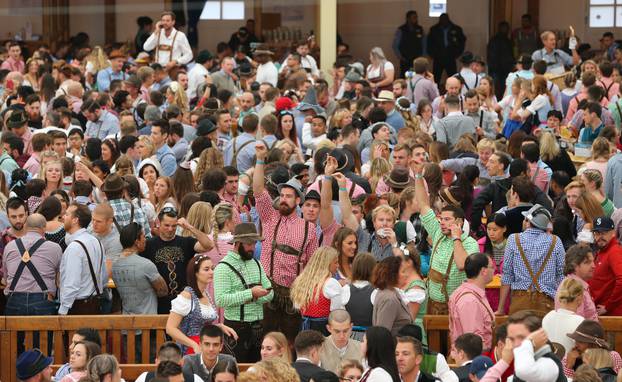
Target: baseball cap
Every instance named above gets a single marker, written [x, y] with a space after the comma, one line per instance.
[480, 365]
[603, 224]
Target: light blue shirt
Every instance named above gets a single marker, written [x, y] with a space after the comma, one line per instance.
[246, 155]
[395, 120]
[238, 141]
[167, 160]
[524, 74]
[180, 149]
[553, 59]
[76, 282]
[106, 76]
[107, 124]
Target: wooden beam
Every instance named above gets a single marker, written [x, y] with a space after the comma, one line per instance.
[55, 20]
[533, 8]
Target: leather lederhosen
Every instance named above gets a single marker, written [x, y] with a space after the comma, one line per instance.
[437, 307]
[160, 47]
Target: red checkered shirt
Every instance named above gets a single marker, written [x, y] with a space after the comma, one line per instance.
[615, 356]
[291, 232]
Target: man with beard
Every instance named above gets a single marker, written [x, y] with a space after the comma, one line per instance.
[31, 291]
[290, 242]
[16, 212]
[241, 287]
[605, 285]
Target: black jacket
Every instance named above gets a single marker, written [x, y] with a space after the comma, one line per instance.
[306, 370]
[455, 41]
[495, 193]
[462, 372]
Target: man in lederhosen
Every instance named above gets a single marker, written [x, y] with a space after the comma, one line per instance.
[171, 46]
[288, 246]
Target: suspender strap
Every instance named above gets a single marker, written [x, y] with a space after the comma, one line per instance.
[170, 54]
[88, 258]
[286, 248]
[481, 118]
[413, 86]
[491, 314]
[617, 107]
[302, 248]
[243, 282]
[26, 256]
[116, 223]
[534, 278]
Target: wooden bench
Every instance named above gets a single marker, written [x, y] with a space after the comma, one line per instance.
[118, 334]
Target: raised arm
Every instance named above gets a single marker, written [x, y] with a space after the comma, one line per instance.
[421, 194]
[347, 217]
[204, 243]
[326, 194]
[261, 151]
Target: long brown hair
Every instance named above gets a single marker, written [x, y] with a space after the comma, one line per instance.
[386, 273]
[540, 87]
[191, 273]
[341, 234]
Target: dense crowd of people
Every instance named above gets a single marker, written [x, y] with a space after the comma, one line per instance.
[270, 212]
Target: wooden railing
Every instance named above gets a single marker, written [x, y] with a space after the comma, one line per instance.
[118, 334]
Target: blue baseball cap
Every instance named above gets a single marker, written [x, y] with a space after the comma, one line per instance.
[31, 363]
[480, 365]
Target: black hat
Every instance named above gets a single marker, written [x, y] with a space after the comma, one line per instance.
[603, 224]
[17, 119]
[297, 168]
[525, 60]
[205, 127]
[204, 56]
[467, 58]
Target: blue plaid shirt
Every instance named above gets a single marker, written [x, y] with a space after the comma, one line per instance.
[123, 214]
[536, 245]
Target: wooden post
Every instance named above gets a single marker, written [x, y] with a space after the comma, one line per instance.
[327, 36]
[110, 21]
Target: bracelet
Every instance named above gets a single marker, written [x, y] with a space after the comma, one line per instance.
[456, 238]
[327, 177]
[343, 189]
[418, 176]
[259, 161]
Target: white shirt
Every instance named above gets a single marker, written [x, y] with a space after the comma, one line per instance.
[332, 291]
[471, 80]
[307, 62]
[374, 71]
[345, 291]
[141, 378]
[558, 323]
[267, 73]
[182, 53]
[196, 77]
[379, 374]
[527, 368]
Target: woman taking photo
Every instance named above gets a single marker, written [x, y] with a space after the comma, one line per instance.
[315, 292]
[390, 310]
[588, 209]
[81, 354]
[346, 244]
[554, 156]
[193, 307]
[379, 349]
[274, 345]
[380, 72]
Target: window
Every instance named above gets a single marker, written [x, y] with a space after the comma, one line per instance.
[605, 13]
[223, 10]
[438, 7]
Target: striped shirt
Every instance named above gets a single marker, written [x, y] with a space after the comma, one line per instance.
[535, 243]
[443, 246]
[230, 293]
[291, 233]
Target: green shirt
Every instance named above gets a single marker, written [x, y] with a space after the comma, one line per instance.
[440, 258]
[230, 293]
[608, 207]
[7, 163]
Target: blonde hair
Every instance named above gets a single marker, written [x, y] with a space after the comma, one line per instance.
[281, 343]
[383, 209]
[326, 144]
[221, 213]
[170, 192]
[349, 364]
[45, 167]
[486, 143]
[375, 143]
[549, 148]
[209, 158]
[98, 59]
[598, 358]
[124, 166]
[180, 99]
[196, 218]
[378, 169]
[145, 140]
[308, 285]
[273, 370]
[466, 143]
[569, 290]
[575, 184]
[100, 366]
[338, 118]
[595, 176]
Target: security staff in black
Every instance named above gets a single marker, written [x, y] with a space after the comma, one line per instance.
[409, 42]
[445, 44]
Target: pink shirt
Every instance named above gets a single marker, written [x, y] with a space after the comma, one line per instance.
[539, 177]
[587, 309]
[358, 190]
[13, 65]
[470, 312]
[612, 87]
[33, 164]
[27, 138]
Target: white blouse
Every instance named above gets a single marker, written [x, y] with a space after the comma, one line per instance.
[182, 306]
[345, 292]
[332, 290]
